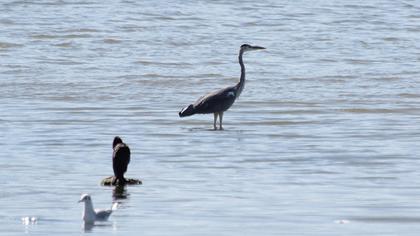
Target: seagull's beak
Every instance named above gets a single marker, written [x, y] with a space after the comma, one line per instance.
[257, 47]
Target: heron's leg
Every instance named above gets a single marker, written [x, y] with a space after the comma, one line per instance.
[221, 120]
[215, 119]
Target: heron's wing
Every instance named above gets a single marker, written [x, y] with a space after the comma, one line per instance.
[102, 215]
[216, 101]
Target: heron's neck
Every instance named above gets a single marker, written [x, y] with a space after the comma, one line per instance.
[241, 83]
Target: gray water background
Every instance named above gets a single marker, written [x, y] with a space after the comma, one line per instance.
[324, 139]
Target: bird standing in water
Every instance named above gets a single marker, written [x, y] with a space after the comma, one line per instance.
[120, 160]
[219, 101]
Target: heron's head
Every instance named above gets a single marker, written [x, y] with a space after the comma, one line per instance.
[247, 47]
[85, 198]
[117, 140]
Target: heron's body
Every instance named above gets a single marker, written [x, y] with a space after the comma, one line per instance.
[120, 160]
[220, 101]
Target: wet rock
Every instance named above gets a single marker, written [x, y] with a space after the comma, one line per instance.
[108, 181]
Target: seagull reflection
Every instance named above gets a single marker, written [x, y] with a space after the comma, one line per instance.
[87, 227]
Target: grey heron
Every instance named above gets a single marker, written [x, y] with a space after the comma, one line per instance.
[120, 160]
[221, 100]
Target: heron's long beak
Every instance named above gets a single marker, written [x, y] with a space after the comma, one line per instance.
[257, 47]
[80, 201]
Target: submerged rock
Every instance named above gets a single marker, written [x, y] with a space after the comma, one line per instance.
[108, 181]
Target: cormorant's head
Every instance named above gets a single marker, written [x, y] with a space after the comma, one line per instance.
[117, 140]
[247, 47]
[85, 198]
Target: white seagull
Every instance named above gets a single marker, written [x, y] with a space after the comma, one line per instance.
[90, 215]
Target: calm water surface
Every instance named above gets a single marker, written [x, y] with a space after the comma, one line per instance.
[323, 141]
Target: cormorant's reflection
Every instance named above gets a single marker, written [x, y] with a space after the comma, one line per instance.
[119, 192]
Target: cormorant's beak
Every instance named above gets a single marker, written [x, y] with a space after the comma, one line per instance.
[257, 47]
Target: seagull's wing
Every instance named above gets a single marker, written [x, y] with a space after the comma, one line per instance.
[102, 215]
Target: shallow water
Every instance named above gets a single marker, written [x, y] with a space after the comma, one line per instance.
[324, 139]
